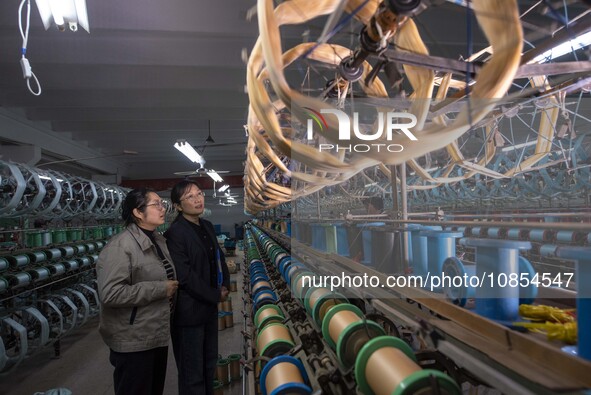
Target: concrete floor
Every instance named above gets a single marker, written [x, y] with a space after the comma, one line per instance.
[84, 366]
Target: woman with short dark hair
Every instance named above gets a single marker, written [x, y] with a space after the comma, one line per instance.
[204, 280]
[136, 284]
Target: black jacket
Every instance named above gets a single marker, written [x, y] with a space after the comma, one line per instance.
[197, 299]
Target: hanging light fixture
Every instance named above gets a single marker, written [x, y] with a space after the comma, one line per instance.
[64, 12]
[215, 176]
[188, 150]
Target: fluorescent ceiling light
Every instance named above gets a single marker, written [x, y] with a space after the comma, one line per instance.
[188, 150]
[58, 10]
[223, 188]
[82, 14]
[215, 176]
[579, 42]
[62, 12]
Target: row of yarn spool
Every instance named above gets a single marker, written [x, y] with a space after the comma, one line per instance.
[282, 372]
[382, 364]
[45, 237]
[37, 266]
[49, 288]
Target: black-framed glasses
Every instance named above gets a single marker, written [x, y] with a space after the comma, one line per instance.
[193, 197]
[160, 205]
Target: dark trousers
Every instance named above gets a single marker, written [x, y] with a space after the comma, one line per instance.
[141, 372]
[196, 353]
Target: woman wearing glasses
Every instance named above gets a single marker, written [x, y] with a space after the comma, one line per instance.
[204, 281]
[136, 284]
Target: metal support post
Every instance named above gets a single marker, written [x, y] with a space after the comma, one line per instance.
[404, 207]
[318, 204]
[394, 189]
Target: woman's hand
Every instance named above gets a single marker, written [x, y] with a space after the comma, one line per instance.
[171, 287]
[224, 293]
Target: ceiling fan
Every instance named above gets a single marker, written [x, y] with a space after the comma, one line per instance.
[197, 157]
[202, 171]
[210, 142]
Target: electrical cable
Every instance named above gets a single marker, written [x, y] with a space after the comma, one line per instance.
[25, 65]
